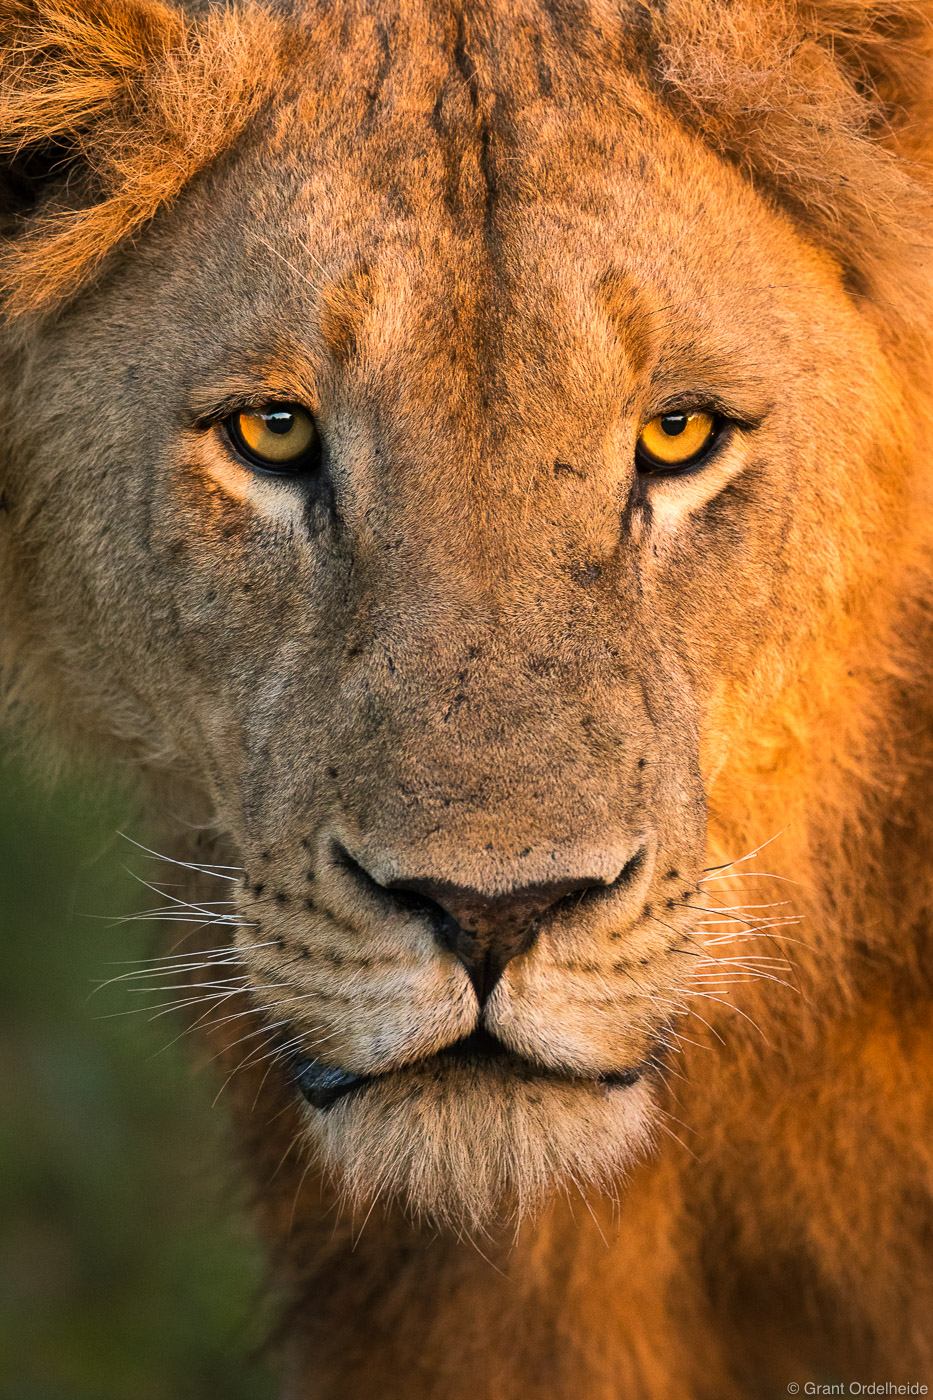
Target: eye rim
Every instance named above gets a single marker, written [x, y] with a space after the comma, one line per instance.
[648, 465]
[307, 463]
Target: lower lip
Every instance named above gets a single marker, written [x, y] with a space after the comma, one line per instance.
[322, 1086]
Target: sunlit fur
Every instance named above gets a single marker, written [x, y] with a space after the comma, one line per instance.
[470, 239]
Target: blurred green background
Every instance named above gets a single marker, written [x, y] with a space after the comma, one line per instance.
[127, 1266]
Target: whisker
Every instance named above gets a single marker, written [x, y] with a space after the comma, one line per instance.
[727, 865]
[177, 957]
[210, 870]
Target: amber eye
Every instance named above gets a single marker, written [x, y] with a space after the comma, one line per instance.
[277, 437]
[674, 440]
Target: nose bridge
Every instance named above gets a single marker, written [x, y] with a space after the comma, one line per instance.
[482, 700]
[474, 719]
[518, 534]
[501, 679]
[506, 479]
[493, 757]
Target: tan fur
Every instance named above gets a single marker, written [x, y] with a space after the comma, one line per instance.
[484, 245]
[148, 99]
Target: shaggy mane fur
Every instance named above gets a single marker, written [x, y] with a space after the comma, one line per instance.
[131, 100]
[828, 107]
[825, 105]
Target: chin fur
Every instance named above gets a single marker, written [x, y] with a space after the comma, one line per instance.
[463, 1148]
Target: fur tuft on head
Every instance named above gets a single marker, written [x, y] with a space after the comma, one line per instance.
[118, 103]
[825, 105]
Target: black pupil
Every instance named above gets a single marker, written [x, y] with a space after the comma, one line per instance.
[673, 424]
[279, 422]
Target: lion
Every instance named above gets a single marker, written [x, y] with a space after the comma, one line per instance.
[470, 459]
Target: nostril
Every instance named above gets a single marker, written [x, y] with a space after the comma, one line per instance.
[398, 895]
[631, 869]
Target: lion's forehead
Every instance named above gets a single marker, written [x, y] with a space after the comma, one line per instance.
[542, 242]
[492, 221]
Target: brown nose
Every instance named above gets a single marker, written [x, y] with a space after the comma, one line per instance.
[486, 931]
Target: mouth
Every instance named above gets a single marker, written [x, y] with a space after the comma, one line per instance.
[323, 1085]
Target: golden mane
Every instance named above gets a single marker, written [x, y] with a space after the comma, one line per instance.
[826, 106]
[144, 98]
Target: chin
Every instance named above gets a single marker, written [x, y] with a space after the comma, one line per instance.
[468, 1146]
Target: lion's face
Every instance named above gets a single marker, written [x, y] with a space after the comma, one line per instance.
[454, 692]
